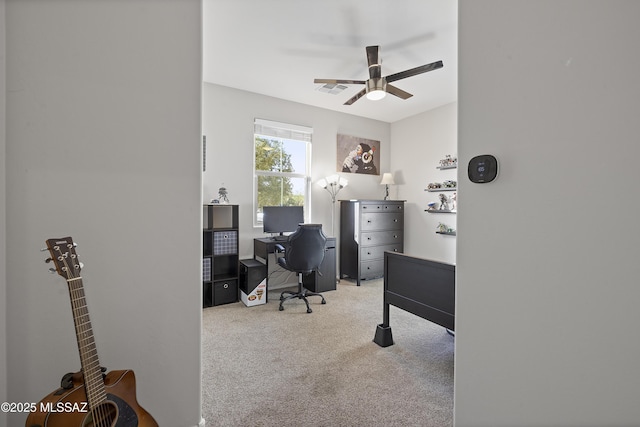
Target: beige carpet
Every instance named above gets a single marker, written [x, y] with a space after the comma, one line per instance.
[264, 367]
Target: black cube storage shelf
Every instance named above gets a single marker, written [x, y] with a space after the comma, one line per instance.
[219, 254]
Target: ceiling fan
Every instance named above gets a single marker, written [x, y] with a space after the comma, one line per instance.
[376, 87]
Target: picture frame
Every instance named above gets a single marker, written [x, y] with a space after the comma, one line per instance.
[357, 155]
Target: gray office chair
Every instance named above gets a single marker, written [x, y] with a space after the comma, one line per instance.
[303, 254]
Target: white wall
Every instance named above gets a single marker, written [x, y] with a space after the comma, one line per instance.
[418, 143]
[102, 143]
[228, 116]
[547, 291]
[3, 209]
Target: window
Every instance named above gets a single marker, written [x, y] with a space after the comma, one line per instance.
[282, 158]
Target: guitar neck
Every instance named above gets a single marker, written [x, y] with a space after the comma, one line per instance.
[121, 408]
[92, 372]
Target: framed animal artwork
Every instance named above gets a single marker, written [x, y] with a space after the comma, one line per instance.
[357, 155]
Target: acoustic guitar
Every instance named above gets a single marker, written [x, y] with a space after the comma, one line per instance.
[89, 398]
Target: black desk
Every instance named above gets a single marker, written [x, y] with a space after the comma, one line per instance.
[264, 251]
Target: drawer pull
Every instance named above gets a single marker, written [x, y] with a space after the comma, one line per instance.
[395, 220]
[226, 286]
[369, 221]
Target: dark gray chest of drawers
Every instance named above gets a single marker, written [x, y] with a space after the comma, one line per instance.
[368, 228]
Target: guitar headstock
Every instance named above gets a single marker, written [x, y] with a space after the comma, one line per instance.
[63, 255]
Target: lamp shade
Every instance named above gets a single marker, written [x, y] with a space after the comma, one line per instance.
[333, 180]
[333, 184]
[387, 179]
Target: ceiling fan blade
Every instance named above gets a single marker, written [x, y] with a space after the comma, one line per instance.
[372, 55]
[398, 92]
[355, 97]
[414, 71]
[373, 60]
[337, 81]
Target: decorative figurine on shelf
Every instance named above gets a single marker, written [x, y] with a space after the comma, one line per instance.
[434, 186]
[222, 195]
[454, 201]
[445, 229]
[444, 202]
[449, 184]
[449, 162]
[431, 206]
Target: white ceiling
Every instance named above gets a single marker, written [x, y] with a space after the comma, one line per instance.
[277, 48]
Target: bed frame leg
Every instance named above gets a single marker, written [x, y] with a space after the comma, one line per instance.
[383, 337]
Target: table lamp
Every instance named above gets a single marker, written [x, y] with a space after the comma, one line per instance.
[387, 179]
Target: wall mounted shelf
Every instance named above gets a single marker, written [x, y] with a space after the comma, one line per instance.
[440, 211]
[437, 190]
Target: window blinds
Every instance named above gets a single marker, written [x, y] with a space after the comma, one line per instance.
[282, 130]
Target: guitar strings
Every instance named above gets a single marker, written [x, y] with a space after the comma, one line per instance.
[96, 393]
[83, 327]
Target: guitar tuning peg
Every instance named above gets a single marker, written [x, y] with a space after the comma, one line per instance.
[81, 265]
[44, 249]
[48, 260]
[52, 271]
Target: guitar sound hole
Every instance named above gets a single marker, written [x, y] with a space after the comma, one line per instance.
[105, 415]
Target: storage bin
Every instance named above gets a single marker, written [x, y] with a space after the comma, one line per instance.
[225, 242]
[206, 269]
[225, 292]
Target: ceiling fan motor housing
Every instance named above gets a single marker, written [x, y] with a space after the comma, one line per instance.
[379, 83]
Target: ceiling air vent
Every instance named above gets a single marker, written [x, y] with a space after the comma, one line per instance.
[332, 88]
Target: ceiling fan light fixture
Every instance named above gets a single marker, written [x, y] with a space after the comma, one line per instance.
[376, 89]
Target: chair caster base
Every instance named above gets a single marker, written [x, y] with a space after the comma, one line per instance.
[300, 295]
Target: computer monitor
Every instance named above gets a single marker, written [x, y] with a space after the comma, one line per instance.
[281, 219]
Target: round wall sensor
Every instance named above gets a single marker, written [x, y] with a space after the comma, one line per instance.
[483, 169]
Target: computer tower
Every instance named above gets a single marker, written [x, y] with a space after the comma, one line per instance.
[325, 278]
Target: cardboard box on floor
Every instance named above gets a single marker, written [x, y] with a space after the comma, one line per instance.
[257, 296]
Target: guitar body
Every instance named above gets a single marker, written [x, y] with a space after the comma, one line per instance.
[67, 407]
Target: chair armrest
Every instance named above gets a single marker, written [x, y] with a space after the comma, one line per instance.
[279, 248]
